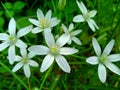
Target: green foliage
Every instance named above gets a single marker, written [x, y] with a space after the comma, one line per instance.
[83, 76]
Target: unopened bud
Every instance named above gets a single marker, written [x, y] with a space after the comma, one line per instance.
[61, 4]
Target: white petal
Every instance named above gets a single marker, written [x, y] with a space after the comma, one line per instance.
[112, 67]
[11, 54]
[39, 49]
[76, 40]
[62, 40]
[65, 29]
[26, 69]
[78, 18]
[102, 73]
[76, 32]
[113, 58]
[33, 63]
[108, 48]
[3, 36]
[39, 14]
[96, 47]
[81, 7]
[54, 22]
[34, 21]
[23, 52]
[48, 60]
[4, 45]
[49, 38]
[68, 51]
[91, 25]
[31, 55]
[37, 30]
[24, 31]
[92, 13]
[71, 27]
[18, 58]
[92, 60]
[21, 44]
[17, 66]
[48, 15]
[12, 27]
[62, 63]
[70, 41]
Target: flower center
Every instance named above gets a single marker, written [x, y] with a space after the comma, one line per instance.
[25, 59]
[102, 59]
[12, 40]
[86, 16]
[54, 50]
[43, 23]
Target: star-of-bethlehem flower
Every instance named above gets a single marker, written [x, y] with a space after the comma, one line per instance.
[54, 51]
[86, 16]
[12, 39]
[43, 22]
[104, 59]
[24, 61]
[72, 33]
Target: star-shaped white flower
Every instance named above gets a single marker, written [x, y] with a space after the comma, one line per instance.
[54, 51]
[12, 39]
[24, 61]
[104, 59]
[72, 33]
[43, 22]
[86, 16]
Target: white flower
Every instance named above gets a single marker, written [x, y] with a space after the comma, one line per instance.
[24, 61]
[54, 51]
[43, 22]
[72, 33]
[104, 59]
[86, 16]
[12, 39]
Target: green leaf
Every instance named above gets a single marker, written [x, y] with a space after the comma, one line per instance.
[18, 5]
[8, 5]
[2, 21]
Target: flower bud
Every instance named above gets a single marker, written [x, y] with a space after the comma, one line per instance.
[61, 4]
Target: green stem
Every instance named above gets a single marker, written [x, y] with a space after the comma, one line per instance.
[45, 77]
[3, 65]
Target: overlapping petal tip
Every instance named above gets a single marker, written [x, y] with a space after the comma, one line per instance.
[39, 49]
[62, 40]
[11, 54]
[82, 7]
[68, 51]
[102, 73]
[76, 32]
[49, 38]
[40, 14]
[78, 18]
[35, 22]
[92, 60]
[24, 31]
[23, 52]
[96, 47]
[76, 40]
[63, 64]
[113, 58]
[12, 26]
[48, 60]
[26, 70]
[108, 48]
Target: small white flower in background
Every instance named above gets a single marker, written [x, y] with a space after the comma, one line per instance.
[104, 59]
[25, 61]
[54, 51]
[72, 33]
[86, 16]
[12, 39]
[44, 22]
